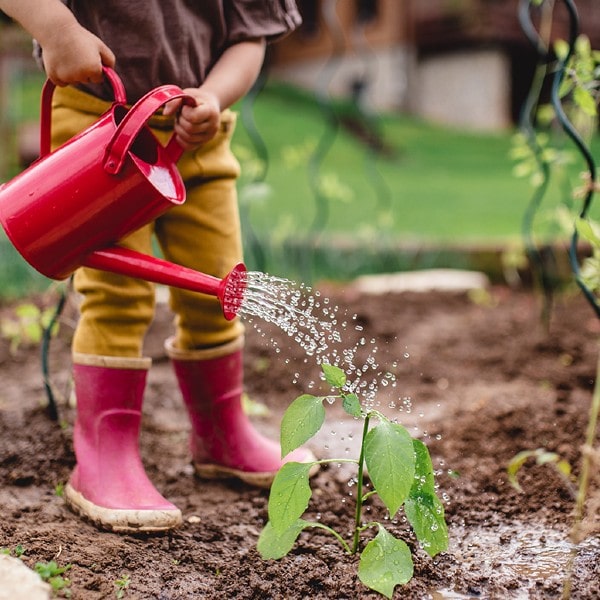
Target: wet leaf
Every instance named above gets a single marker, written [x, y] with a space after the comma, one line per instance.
[424, 478]
[334, 376]
[351, 405]
[385, 563]
[302, 419]
[390, 458]
[423, 508]
[273, 544]
[290, 494]
[425, 513]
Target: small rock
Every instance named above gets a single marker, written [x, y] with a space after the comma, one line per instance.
[18, 582]
[455, 280]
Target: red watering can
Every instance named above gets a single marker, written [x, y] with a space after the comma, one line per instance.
[71, 206]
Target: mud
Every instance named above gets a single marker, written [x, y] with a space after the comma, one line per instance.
[485, 380]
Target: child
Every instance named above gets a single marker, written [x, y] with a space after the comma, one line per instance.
[214, 51]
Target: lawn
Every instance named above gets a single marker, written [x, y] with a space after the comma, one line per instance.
[318, 200]
[432, 184]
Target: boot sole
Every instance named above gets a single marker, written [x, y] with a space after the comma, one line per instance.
[122, 520]
[256, 479]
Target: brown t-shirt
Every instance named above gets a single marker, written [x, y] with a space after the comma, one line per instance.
[177, 41]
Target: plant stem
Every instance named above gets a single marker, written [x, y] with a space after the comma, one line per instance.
[335, 534]
[359, 494]
[584, 480]
[586, 463]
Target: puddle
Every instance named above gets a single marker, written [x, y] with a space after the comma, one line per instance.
[527, 553]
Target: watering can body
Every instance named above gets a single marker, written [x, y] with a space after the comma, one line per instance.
[73, 205]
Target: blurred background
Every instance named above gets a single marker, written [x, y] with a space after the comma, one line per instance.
[380, 137]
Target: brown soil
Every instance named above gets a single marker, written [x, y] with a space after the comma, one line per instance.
[486, 380]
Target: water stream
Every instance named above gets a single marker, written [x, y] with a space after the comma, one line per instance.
[318, 327]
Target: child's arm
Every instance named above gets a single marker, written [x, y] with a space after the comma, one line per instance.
[228, 81]
[71, 54]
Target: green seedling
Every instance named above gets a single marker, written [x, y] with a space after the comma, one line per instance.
[542, 457]
[18, 551]
[53, 575]
[121, 586]
[577, 74]
[401, 474]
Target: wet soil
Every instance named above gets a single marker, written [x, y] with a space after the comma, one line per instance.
[477, 381]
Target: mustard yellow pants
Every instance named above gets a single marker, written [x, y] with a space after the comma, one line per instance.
[203, 233]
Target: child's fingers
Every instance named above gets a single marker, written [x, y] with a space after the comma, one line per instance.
[172, 107]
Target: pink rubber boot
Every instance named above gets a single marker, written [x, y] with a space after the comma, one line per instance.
[224, 443]
[109, 485]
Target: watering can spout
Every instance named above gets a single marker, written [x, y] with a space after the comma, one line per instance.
[230, 290]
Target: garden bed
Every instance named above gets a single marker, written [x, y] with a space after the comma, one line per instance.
[477, 381]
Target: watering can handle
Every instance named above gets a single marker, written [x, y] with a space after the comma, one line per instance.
[135, 119]
[46, 106]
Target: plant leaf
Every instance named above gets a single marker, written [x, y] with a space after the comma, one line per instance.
[290, 495]
[584, 99]
[28, 311]
[425, 513]
[334, 376]
[302, 419]
[424, 479]
[390, 458]
[561, 49]
[514, 466]
[351, 405]
[587, 231]
[273, 544]
[385, 563]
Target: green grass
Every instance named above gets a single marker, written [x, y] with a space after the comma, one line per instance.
[434, 186]
[441, 185]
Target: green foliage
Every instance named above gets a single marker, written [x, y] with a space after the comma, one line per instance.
[542, 457]
[527, 159]
[384, 563]
[121, 586]
[274, 544]
[576, 110]
[390, 460]
[434, 194]
[300, 422]
[290, 495]
[582, 74]
[53, 574]
[18, 551]
[401, 474]
[27, 325]
[589, 274]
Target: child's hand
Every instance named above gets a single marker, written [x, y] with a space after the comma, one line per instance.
[195, 125]
[72, 54]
